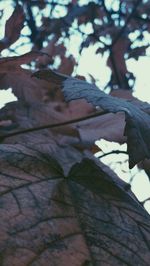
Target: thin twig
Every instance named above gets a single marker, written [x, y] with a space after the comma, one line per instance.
[144, 201]
[52, 125]
[112, 152]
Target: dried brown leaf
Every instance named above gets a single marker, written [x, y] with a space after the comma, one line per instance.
[13, 28]
[12, 64]
[23, 86]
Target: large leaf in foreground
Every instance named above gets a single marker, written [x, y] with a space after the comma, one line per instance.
[137, 127]
[48, 219]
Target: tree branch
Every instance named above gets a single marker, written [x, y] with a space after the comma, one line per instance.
[126, 23]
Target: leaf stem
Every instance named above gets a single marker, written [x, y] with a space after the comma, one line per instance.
[112, 152]
[19, 132]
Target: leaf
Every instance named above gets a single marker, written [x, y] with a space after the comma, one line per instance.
[108, 126]
[24, 88]
[52, 49]
[13, 63]
[127, 94]
[13, 28]
[46, 217]
[58, 141]
[99, 180]
[137, 127]
[19, 79]
[138, 51]
[67, 65]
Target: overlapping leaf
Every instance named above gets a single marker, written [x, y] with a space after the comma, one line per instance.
[13, 76]
[137, 127]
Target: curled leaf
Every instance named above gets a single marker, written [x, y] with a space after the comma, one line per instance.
[137, 127]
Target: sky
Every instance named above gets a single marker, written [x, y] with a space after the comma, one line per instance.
[96, 66]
